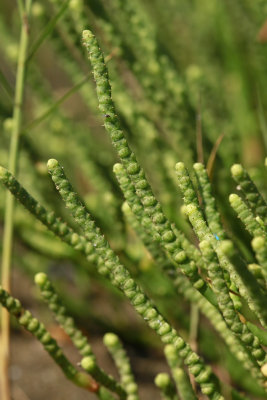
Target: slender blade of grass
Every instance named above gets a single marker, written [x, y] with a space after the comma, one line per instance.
[9, 209]
[47, 30]
[54, 107]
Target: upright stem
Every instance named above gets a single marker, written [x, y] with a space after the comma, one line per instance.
[193, 334]
[9, 209]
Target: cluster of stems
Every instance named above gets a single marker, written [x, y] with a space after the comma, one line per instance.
[211, 272]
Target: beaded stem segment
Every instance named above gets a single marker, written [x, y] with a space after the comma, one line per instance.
[246, 216]
[185, 184]
[121, 278]
[239, 351]
[49, 219]
[242, 278]
[236, 274]
[226, 304]
[66, 322]
[167, 239]
[140, 223]
[155, 251]
[164, 383]
[114, 346]
[89, 364]
[181, 378]
[198, 223]
[137, 208]
[260, 248]
[31, 324]
[143, 224]
[248, 285]
[253, 196]
[211, 212]
[152, 208]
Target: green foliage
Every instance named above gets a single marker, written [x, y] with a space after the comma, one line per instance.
[127, 230]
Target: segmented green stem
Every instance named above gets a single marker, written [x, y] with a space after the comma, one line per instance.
[167, 389]
[260, 248]
[137, 208]
[140, 222]
[241, 278]
[154, 250]
[89, 365]
[121, 278]
[239, 351]
[185, 184]
[31, 324]
[226, 304]
[247, 284]
[253, 196]
[246, 216]
[181, 378]
[211, 212]
[66, 322]
[152, 208]
[203, 232]
[49, 219]
[115, 347]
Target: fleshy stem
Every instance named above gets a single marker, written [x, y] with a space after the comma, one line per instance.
[240, 352]
[167, 389]
[66, 322]
[49, 219]
[249, 290]
[31, 324]
[184, 258]
[68, 325]
[155, 251]
[243, 279]
[248, 285]
[254, 198]
[226, 304]
[246, 216]
[9, 207]
[115, 348]
[212, 215]
[181, 378]
[55, 225]
[89, 364]
[260, 248]
[121, 278]
[152, 207]
[137, 208]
